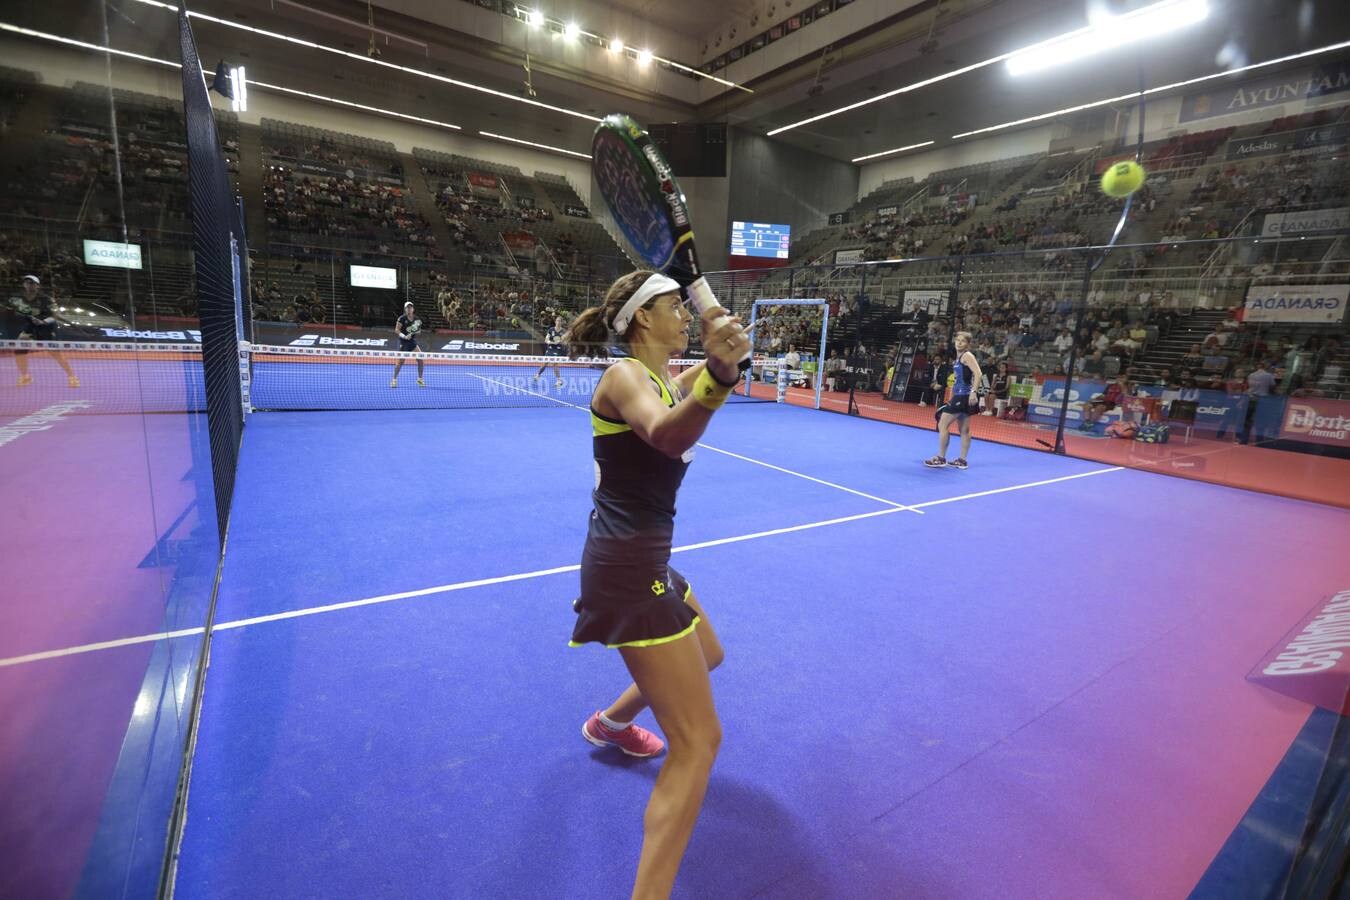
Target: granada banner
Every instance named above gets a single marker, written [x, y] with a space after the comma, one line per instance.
[1257, 93]
[1312, 222]
[1318, 420]
[483, 181]
[1319, 303]
[934, 302]
[1327, 137]
[845, 257]
[888, 210]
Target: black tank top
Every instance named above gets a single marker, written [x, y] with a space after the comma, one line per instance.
[634, 516]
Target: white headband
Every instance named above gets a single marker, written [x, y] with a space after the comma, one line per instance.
[655, 285]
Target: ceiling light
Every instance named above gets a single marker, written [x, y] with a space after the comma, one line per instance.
[945, 76]
[534, 18]
[616, 46]
[1329, 48]
[502, 137]
[889, 152]
[239, 103]
[571, 31]
[1108, 32]
[644, 57]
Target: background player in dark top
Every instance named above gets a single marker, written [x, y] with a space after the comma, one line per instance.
[406, 328]
[554, 346]
[644, 426]
[34, 319]
[965, 376]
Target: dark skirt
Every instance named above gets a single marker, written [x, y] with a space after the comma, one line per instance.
[631, 605]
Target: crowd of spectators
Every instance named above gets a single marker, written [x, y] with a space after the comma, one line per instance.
[346, 207]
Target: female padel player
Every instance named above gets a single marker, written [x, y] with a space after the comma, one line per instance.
[964, 402]
[644, 425]
[406, 329]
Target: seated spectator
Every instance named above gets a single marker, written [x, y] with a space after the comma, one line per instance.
[1063, 341]
[1164, 377]
[1194, 358]
[1095, 365]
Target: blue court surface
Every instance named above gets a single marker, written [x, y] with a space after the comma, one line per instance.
[1024, 679]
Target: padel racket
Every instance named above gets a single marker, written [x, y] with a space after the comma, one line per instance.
[648, 206]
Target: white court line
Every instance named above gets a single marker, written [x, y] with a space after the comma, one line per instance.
[101, 645]
[757, 462]
[1019, 487]
[812, 478]
[522, 576]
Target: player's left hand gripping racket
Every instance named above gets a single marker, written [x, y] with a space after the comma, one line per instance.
[648, 206]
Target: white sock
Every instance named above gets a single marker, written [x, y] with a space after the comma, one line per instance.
[611, 724]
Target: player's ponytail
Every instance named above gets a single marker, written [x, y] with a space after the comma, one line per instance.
[591, 332]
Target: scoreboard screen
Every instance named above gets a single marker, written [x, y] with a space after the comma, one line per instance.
[760, 240]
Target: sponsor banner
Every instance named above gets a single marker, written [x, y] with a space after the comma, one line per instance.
[845, 257]
[1044, 410]
[888, 210]
[576, 212]
[1321, 303]
[1327, 137]
[1312, 222]
[1312, 662]
[277, 334]
[838, 218]
[935, 302]
[483, 181]
[1213, 409]
[107, 253]
[374, 277]
[1317, 420]
[185, 336]
[490, 347]
[1257, 93]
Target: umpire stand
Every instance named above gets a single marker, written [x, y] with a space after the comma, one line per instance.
[824, 307]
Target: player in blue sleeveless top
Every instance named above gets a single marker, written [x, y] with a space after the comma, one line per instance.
[964, 375]
[644, 425]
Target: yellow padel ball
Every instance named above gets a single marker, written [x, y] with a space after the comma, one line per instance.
[1122, 179]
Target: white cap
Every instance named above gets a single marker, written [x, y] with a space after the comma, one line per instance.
[33, 278]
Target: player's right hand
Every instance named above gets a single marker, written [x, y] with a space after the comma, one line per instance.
[725, 342]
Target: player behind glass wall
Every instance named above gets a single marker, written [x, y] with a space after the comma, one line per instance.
[34, 319]
[406, 329]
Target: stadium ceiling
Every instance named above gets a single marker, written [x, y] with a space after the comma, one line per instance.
[920, 41]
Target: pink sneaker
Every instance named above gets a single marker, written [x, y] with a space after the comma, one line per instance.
[633, 740]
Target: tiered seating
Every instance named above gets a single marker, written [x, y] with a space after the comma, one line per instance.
[339, 191]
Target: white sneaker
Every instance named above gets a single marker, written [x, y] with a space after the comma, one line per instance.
[559, 382]
[393, 382]
[921, 403]
[421, 383]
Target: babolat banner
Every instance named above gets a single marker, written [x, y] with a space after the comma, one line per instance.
[1328, 137]
[576, 212]
[1258, 93]
[1320, 303]
[279, 334]
[1314, 221]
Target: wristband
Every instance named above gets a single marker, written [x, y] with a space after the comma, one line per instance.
[708, 391]
[720, 381]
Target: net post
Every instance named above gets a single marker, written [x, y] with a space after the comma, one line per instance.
[1073, 360]
[750, 369]
[820, 359]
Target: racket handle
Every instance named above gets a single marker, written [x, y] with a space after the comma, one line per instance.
[702, 297]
